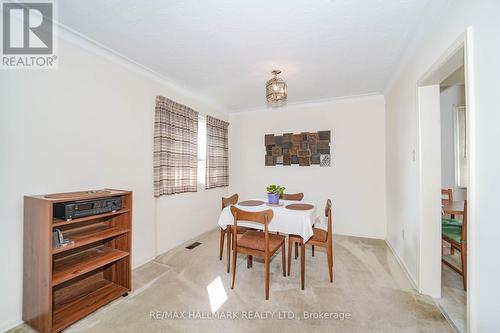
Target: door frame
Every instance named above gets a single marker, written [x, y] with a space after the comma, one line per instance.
[429, 262]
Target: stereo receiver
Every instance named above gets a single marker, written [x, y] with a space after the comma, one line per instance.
[74, 209]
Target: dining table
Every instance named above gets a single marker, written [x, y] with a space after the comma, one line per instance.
[285, 220]
[454, 208]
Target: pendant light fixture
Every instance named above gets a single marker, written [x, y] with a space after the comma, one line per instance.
[276, 89]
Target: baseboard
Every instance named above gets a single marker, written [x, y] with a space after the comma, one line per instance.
[403, 266]
[187, 242]
[359, 236]
[447, 317]
[142, 263]
[10, 325]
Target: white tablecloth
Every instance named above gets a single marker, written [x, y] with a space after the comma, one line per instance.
[287, 221]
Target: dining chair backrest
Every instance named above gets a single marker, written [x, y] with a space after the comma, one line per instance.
[232, 200]
[262, 217]
[328, 215]
[464, 222]
[292, 196]
[446, 196]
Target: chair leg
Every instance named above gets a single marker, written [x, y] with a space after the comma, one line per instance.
[283, 259]
[267, 259]
[251, 261]
[221, 242]
[290, 245]
[302, 264]
[312, 248]
[234, 269]
[329, 254]
[248, 262]
[296, 250]
[228, 239]
[463, 254]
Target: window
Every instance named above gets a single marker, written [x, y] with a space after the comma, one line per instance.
[202, 149]
[175, 148]
[461, 149]
[217, 170]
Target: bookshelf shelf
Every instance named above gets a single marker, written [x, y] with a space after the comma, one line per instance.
[89, 235]
[83, 262]
[65, 314]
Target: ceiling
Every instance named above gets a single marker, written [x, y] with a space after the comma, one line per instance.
[224, 50]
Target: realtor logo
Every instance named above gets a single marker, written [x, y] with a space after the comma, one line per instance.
[28, 35]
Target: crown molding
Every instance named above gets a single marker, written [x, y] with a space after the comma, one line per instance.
[70, 35]
[314, 102]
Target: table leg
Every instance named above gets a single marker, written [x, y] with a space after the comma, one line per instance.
[302, 263]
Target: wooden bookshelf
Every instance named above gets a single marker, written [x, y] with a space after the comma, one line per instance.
[62, 285]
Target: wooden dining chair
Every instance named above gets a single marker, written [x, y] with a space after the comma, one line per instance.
[454, 232]
[322, 238]
[254, 243]
[232, 200]
[292, 196]
[446, 196]
[447, 199]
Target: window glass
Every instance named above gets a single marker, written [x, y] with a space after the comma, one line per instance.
[461, 149]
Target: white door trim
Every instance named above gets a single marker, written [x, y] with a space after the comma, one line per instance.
[426, 266]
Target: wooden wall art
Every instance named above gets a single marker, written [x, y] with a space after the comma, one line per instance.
[304, 149]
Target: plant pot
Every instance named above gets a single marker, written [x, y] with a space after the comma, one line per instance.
[273, 198]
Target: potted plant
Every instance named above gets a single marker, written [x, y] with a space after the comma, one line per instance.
[273, 193]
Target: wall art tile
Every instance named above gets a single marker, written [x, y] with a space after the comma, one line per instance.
[304, 149]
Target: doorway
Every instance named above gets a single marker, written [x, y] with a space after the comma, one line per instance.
[454, 183]
[444, 160]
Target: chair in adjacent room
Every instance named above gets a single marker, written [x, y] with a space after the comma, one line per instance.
[322, 238]
[254, 243]
[446, 196]
[454, 232]
[447, 199]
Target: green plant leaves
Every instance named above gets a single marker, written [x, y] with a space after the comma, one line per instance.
[276, 189]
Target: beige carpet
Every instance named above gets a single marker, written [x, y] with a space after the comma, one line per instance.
[369, 287]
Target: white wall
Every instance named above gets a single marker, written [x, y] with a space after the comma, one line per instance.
[401, 120]
[356, 180]
[187, 215]
[86, 125]
[450, 97]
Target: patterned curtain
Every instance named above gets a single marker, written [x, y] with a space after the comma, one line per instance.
[217, 171]
[175, 148]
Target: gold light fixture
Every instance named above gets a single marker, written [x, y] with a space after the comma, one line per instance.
[276, 89]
